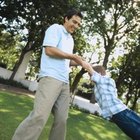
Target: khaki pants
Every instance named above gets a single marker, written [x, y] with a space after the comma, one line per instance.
[52, 95]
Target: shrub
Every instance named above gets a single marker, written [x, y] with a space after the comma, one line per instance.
[3, 65]
[12, 83]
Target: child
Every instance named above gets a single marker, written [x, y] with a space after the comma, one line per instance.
[113, 108]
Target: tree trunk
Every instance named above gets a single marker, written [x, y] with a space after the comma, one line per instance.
[21, 66]
[93, 100]
[77, 79]
[107, 53]
[75, 83]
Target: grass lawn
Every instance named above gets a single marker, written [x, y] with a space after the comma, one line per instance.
[81, 126]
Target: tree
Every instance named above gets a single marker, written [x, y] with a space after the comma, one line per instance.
[9, 49]
[35, 17]
[129, 75]
[111, 21]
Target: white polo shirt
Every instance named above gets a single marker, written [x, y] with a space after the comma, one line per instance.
[56, 36]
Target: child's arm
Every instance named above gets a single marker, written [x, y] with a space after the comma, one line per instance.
[95, 76]
[89, 68]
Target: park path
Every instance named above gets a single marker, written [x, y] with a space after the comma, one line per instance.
[16, 90]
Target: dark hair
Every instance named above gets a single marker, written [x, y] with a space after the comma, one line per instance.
[73, 12]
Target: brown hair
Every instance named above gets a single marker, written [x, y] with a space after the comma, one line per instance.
[100, 69]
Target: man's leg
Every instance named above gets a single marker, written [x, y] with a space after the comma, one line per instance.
[31, 127]
[60, 112]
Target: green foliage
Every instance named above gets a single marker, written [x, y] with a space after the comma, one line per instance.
[29, 19]
[110, 22]
[33, 65]
[81, 44]
[10, 48]
[32, 15]
[126, 72]
[85, 89]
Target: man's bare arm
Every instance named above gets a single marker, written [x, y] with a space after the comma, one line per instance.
[55, 52]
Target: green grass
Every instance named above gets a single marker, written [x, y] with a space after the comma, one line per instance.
[81, 126]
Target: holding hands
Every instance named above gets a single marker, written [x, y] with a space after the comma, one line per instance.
[88, 67]
[76, 59]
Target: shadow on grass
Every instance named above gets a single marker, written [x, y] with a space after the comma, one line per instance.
[81, 126]
[85, 126]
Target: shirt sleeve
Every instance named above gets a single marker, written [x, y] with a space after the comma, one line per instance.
[96, 77]
[52, 36]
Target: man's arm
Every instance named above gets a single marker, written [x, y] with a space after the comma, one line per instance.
[56, 53]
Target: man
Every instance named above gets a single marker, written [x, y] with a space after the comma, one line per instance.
[53, 91]
[112, 107]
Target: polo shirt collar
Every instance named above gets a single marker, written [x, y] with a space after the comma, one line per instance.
[65, 31]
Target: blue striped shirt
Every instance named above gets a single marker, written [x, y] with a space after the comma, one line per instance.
[106, 95]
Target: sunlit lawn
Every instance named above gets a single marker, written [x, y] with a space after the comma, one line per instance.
[81, 126]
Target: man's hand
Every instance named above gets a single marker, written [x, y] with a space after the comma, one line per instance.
[77, 59]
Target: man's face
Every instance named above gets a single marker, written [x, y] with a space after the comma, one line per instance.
[72, 24]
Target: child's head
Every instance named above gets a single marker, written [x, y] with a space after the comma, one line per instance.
[100, 69]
